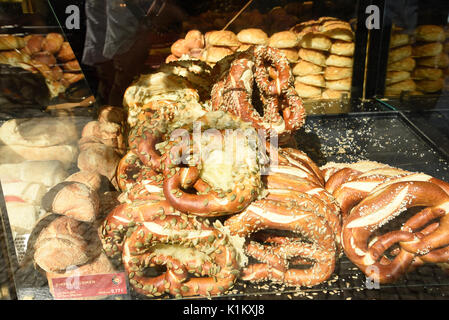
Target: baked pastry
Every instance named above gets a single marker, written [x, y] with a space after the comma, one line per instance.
[397, 88]
[342, 48]
[72, 65]
[283, 39]
[430, 86]
[10, 42]
[428, 49]
[430, 33]
[316, 57]
[315, 41]
[427, 73]
[44, 57]
[215, 54]
[407, 64]
[438, 61]
[303, 68]
[252, 36]
[223, 38]
[71, 77]
[399, 39]
[340, 85]
[65, 53]
[399, 53]
[339, 61]
[396, 76]
[194, 39]
[52, 42]
[337, 29]
[291, 54]
[337, 73]
[243, 47]
[334, 94]
[316, 80]
[307, 91]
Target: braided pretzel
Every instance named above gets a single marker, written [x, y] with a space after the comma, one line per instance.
[207, 201]
[274, 266]
[378, 209]
[210, 257]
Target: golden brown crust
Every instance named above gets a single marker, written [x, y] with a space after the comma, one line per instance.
[334, 94]
[291, 54]
[396, 76]
[315, 41]
[430, 86]
[307, 91]
[52, 42]
[430, 33]
[399, 39]
[303, 68]
[399, 53]
[337, 73]
[252, 36]
[313, 56]
[397, 88]
[428, 49]
[342, 48]
[283, 39]
[66, 52]
[223, 38]
[427, 73]
[407, 64]
[9, 42]
[438, 61]
[316, 80]
[215, 54]
[339, 61]
[341, 85]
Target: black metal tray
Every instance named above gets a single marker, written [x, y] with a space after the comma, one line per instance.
[388, 137]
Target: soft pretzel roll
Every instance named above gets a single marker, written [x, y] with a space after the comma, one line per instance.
[307, 91]
[428, 49]
[378, 209]
[283, 39]
[9, 42]
[396, 76]
[269, 214]
[313, 56]
[303, 68]
[200, 259]
[427, 73]
[337, 73]
[430, 33]
[339, 61]
[341, 85]
[223, 38]
[252, 36]
[194, 39]
[430, 86]
[316, 80]
[334, 94]
[330, 168]
[291, 54]
[438, 61]
[342, 48]
[52, 42]
[407, 64]
[398, 87]
[215, 54]
[315, 41]
[399, 53]
[399, 39]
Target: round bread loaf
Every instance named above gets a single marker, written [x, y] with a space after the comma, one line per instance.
[337, 73]
[303, 68]
[339, 61]
[224, 38]
[194, 39]
[407, 64]
[52, 42]
[215, 54]
[438, 61]
[313, 56]
[396, 76]
[342, 48]
[430, 33]
[291, 54]
[315, 41]
[427, 73]
[252, 36]
[316, 80]
[340, 85]
[428, 49]
[306, 91]
[399, 39]
[283, 39]
[399, 53]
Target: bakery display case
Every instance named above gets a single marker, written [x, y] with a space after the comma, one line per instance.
[222, 150]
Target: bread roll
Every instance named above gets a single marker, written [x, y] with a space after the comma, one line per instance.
[38, 132]
[108, 133]
[303, 68]
[438, 61]
[224, 38]
[340, 85]
[70, 77]
[243, 47]
[313, 56]
[307, 91]
[52, 42]
[316, 80]
[64, 153]
[428, 49]
[399, 53]
[427, 73]
[9, 42]
[90, 179]
[397, 88]
[179, 48]
[72, 199]
[430, 86]
[283, 39]
[291, 55]
[407, 64]
[252, 36]
[71, 65]
[66, 52]
[194, 39]
[215, 54]
[334, 94]
[47, 173]
[315, 41]
[44, 57]
[64, 243]
[337, 73]
[34, 44]
[430, 33]
[337, 29]
[396, 76]
[339, 61]
[342, 48]
[399, 39]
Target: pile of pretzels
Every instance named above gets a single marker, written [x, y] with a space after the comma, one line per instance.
[190, 225]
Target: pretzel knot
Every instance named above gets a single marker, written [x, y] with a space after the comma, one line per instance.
[203, 177]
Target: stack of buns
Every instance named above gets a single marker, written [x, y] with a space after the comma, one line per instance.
[430, 58]
[400, 64]
[325, 58]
